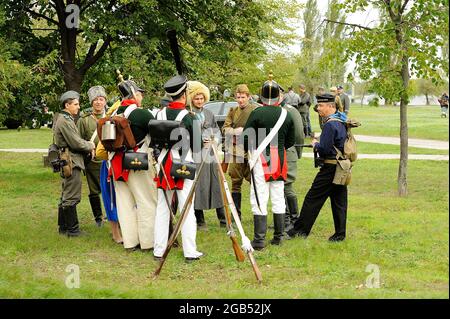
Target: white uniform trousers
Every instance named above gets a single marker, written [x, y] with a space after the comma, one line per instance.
[274, 190]
[136, 207]
[189, 229]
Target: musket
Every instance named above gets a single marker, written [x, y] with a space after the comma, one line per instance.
[172, 36]
[183, 216]
[316, 155]
[230, 231]
[235, 215]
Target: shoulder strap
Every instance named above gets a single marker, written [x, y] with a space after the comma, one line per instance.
[268, 138]
[181, 115]
[129, 109]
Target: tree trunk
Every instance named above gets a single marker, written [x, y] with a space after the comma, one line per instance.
[427, 98]
[403, 167]
[73, 79]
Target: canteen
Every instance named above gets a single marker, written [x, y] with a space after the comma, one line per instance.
[109, 131]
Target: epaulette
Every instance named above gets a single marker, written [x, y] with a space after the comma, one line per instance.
[67, 116]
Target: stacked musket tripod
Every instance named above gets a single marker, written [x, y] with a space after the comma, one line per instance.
[230, 210]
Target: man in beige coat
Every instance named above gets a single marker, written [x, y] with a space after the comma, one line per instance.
[236, 156]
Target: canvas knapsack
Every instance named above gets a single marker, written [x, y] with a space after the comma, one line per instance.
[350, 149]
[124, 136]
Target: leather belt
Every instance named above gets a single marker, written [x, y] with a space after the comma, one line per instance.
[330, 161]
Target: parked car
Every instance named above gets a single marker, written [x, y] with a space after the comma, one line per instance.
[220, 110]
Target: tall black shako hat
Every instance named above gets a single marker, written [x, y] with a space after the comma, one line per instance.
[325, 98]
[128, 87]
[270, 92]
[176, 85]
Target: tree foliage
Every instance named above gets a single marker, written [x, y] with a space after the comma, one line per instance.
[406, 42]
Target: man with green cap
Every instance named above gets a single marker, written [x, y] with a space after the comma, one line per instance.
[73, 148]
[87, 126]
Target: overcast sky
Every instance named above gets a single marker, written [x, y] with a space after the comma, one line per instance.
[366, 18]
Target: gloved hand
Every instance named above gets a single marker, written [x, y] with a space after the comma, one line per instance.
[247, 245]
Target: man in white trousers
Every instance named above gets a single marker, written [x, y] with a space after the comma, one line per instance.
[167, 182]
[268, 133]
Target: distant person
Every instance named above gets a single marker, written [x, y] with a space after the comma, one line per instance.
[320, 91]
[292, 98]
[443, 101]
[344, 99]
[337, 98]
[303, 108]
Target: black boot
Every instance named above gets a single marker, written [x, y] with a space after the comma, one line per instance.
[237, 202]
[200, 219]
[260, 229]
[220, 212]
[292, 212]
[278, 221]
[70, 215]
[62, 228]
[96, 206]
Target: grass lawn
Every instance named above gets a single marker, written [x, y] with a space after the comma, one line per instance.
[423, 121]
[406, 238]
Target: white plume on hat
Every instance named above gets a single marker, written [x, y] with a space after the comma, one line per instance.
[194, 88]
[96, 91]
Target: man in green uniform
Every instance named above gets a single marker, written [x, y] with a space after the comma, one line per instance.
[267, 136]
[232, 129]
[67, 137]
[293, 154]
[87, 126]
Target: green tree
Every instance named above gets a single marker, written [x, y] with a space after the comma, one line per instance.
[406, 42]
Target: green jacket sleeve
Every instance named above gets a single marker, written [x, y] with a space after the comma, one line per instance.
[71, 135]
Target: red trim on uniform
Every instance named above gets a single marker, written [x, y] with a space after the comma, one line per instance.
[173, 184]
[128, 102]
[274, 170]
[176, 105]
[116, 166]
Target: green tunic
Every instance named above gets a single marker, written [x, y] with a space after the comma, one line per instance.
[266, 117]
[139, 119]
[66, 135]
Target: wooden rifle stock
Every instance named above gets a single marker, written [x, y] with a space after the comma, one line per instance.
[238, 252]
[238, 223]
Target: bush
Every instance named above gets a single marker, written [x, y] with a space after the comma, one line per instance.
[374, 102]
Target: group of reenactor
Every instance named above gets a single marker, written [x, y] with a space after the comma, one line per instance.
[262, 139]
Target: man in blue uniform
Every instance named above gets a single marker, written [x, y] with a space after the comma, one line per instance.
[333, 136]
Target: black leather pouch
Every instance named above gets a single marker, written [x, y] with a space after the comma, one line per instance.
[135, 161]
